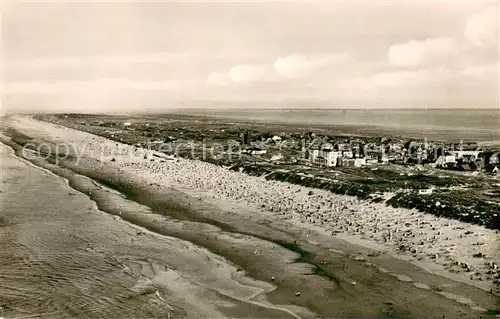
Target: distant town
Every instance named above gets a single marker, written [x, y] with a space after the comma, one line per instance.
[315, 149]
[356, 152]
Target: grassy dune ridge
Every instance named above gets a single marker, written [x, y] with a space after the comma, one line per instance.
[459, 205]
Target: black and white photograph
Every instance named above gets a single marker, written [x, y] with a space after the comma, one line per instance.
[249, 159]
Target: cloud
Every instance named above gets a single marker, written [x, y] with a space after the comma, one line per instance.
[442, 86]
[31, 87]
[243, 74]
[389, 84]
[404, 79]
[152, 85]
[218, 79]
[417, 53]
[482, 29]
[294, 66]
[249, 73]
[91, 87]
[102, 61]
[489, 73]
[297, 65]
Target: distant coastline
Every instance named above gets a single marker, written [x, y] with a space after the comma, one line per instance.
[434, 124]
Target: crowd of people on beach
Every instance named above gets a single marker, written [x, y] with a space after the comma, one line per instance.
[457, 246]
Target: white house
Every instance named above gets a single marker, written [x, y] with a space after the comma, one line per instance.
[313, 155]
[257, 151]
[331, 158]
[445, 159]
[347, 154]
[460, 154]
[358, 162]
[425, 191]
[353, 162]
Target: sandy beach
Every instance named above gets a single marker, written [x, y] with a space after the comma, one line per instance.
[453, 262]
[73, 260]
[249, 159]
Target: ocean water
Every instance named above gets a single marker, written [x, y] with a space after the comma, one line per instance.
[62, 258]
[444, 124]
[59, 257]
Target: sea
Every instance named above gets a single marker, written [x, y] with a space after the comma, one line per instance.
[58, 253]
[434, 124]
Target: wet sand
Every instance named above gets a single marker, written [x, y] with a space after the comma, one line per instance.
[334, 277]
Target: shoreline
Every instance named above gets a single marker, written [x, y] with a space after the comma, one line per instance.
[256, 298]
[238, 276]
[269, 217]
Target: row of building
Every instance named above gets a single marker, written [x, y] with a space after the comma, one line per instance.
[327, 155]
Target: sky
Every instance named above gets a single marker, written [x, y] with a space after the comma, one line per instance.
[91, 56]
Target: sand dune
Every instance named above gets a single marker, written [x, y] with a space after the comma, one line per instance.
[411, 234]
[464, 252]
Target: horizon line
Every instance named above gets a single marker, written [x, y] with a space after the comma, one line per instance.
[159, 111]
